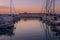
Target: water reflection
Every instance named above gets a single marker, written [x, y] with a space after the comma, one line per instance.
[33, 29]
[6, 34]
[55, 31]
[30, 29]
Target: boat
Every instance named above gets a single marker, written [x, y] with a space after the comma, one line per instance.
[9, 26]
[6, 22]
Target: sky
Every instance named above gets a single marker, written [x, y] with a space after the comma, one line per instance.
[30, 6]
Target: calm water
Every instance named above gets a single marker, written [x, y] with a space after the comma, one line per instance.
[27, 30]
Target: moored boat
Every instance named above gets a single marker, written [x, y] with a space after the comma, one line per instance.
[7, 26]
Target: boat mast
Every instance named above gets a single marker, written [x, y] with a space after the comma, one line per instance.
[10, 6]
[50, 6]
[53, 6]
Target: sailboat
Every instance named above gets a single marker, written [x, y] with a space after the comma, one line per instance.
[7, 21]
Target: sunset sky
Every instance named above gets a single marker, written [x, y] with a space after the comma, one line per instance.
[31, 6]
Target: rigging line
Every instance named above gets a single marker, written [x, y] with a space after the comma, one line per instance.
[45, 29]
[42, 23]
[46, 7]
[52, 9]
[49, 7]
[53, 6]
[47, 11]
[10, 6]
[14, 7]
[42, 6]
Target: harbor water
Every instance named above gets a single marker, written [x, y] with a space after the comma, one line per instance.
[30, 29]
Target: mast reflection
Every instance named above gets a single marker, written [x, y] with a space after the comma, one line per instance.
[7, 32]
